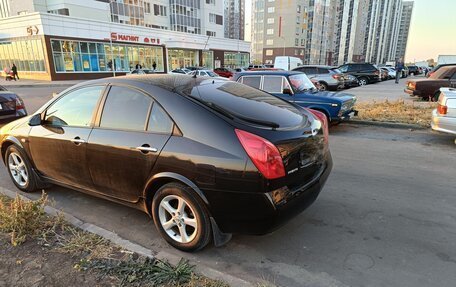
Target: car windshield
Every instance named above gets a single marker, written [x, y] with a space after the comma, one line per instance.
[300, 83]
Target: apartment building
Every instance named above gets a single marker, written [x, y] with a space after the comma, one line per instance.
[299, 28]
[234, 19]
[74, 39]
[331, 32]
[406, 17]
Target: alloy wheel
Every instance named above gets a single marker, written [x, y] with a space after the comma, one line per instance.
[18, 169]
[178, 219]
[362, 82]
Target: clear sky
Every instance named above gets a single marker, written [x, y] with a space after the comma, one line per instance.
[432, 30]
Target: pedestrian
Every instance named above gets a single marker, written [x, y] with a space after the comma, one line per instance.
[399, 67]
[154, 66]
[138, 66]
[14, 70]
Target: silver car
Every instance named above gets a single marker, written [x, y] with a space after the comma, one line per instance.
[444, 117]
[326, 77]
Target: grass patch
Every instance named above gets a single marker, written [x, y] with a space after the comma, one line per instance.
[419, 113]
[26, 220]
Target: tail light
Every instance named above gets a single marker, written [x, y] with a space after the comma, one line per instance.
[19, 104]
[264, 155]
[441, 109]
[324, 121]
[335, 76]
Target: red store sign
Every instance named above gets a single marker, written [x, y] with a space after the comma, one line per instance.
[133, 38]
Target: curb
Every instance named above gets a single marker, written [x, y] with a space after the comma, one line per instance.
[133, 247]
[387, 124]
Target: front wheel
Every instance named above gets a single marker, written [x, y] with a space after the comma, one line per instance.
[20, 169]
[362, 81]
[181, 217]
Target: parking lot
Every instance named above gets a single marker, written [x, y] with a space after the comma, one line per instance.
[387, 216]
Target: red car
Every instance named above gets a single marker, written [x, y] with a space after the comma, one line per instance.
[224, 72]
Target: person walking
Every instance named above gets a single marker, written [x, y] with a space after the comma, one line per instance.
[14, 70]
[154, 66]
[138, 66]
[399, 67]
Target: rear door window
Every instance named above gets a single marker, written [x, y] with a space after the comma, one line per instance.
[323, 71]
[252, 81]
[125, 109]
[159, 121]
[310, 70]
[273, 84]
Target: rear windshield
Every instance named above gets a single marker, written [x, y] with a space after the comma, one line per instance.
[248, 104]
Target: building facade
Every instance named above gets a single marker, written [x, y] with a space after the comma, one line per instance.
[406, 17]
[51, 44]
[330, 32]
[298, 28]
[234, 19]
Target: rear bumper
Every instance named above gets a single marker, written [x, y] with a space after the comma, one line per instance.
[18, 114]
[443, 124]
[412, 92]
[257, 213]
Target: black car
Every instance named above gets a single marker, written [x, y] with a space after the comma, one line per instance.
[11, 105]
[365, 73]
[204, 157]
[414, 70]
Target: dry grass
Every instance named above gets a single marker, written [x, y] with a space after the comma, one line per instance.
[418, 113]
[26, 220]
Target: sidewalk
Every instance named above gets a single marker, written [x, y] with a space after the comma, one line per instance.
[27, 83]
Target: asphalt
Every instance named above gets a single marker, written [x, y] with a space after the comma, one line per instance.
[387, 217]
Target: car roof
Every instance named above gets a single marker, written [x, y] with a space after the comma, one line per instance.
[279, 73]
[314, 66]
[170, 82]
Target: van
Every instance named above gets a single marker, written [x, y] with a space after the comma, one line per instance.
[287, 63]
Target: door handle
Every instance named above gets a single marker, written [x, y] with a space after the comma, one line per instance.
[77, 141]
[146, 149]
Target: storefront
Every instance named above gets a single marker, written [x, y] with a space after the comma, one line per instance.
[56, 47]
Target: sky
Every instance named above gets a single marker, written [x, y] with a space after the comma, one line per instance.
[432, 29]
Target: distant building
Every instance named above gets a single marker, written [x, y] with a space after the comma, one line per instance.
[407, 9]
[234, 19]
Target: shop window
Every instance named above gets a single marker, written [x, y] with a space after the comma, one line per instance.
[210, 33]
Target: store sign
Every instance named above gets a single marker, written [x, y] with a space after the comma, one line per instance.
[32, 30]
[133, 38]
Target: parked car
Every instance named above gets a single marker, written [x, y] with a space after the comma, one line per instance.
[326, 77]
[405, 72]
[365, 73]
[296, 87]
[224, 72]
[205, 158]
[438, 67]
[204, 73]
[384, 74]
[391, 72]
[252, 66]
[350, 81]
[429, 88]
[414, 70]
[141, 72]
[183, 71]
[287, 63]
[237, 70]
[11, 105]
[444, 117]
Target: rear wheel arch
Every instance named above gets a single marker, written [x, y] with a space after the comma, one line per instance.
[161, 179]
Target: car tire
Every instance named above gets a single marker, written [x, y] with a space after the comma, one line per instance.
[435, 97]
[363, 81]
[181, 217]
[20, 169]
[323, 86]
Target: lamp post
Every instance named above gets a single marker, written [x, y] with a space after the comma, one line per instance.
[113, 65]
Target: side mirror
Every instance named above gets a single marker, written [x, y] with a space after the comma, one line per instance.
[287, 91]
[35, 120]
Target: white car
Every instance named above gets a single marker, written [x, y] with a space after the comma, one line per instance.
[391, 72]
[205, 73]
[444, 117]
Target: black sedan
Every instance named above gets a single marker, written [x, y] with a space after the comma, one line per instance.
[205, 158]
[11, 105]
